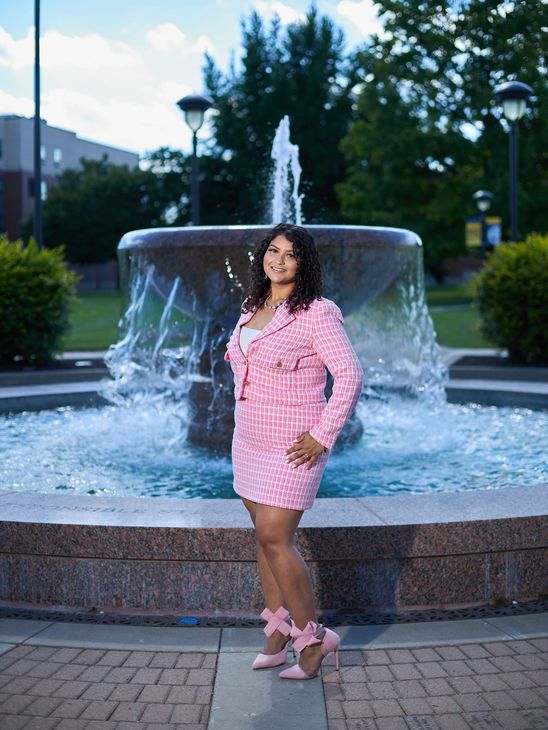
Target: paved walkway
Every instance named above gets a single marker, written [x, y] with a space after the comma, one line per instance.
[487, 686]
[478, 674]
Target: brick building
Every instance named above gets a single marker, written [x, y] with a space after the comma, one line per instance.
[60, 150]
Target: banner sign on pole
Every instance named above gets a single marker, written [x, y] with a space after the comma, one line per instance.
[492, 230]
[473, 232]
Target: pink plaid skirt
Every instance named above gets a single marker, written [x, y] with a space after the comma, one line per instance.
[262, 433]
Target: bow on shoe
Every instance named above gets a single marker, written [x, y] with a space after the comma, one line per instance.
[329, 642]
[276, 621]
[306, 637]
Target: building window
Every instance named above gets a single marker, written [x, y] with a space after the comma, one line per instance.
[43, 188]
[57, 156]
[43, 152]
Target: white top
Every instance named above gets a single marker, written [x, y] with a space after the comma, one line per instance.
[246, 335]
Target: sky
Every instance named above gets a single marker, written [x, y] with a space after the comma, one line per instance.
[113, 70]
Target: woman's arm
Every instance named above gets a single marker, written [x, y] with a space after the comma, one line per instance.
[334, 348]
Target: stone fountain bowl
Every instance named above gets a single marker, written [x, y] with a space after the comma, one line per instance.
[202, 272]
[358, 262]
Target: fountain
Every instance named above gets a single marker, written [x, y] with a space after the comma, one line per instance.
[186, 286]
[170, 410]
[286, 200]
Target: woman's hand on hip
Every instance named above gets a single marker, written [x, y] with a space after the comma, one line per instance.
[305, 450]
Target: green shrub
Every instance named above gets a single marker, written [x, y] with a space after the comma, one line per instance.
[512, 293]
[36, 291]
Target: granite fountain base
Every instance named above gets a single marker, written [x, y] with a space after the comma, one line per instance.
[198, 556]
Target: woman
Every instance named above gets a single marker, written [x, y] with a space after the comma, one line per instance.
[287, 334]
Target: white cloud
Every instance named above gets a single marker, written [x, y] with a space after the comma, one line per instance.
[134, 126]
[145, 123]
[89, 51]
[16, 54]
[287, 14]
[165, 37]
[132, 105]
[172, 90]
[169, 38]
[16, 104]
[362, 14]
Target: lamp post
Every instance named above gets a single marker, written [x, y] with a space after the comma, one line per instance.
[513, 96]
[483, 199]
[194, 108]
[489, 225]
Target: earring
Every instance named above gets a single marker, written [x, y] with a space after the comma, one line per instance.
[265, 277]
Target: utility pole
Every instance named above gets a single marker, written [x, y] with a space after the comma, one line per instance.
[37, 131]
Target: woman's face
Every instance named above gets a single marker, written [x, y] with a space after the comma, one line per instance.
[279, 261]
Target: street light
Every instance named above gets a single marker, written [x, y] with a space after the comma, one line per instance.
[513, 96]
[486, 226]
[483, 199]
[194, 108]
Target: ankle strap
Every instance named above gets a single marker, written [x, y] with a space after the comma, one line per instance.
[306, 637]
[276, 621]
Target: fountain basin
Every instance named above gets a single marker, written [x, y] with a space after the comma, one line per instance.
[198, 556]
[184, 288]
[203, 255]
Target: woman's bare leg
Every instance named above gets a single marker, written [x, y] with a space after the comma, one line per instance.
[273, 596]
[275, 528]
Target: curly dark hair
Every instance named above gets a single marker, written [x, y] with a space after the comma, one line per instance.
[308, 282]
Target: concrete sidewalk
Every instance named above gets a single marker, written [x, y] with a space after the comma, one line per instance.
[476, 674]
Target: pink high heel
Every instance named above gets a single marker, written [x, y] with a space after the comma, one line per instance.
[276, 622]
[330, 641]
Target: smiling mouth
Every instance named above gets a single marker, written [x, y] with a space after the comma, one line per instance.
[276, 269]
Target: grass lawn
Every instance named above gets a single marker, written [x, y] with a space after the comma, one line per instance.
[95, 318]
[449, 295]
[459, 328]
[455, 316]
[94, 321]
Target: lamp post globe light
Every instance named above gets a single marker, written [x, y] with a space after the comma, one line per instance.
[483, 199]
[513, 96]
[194, 108]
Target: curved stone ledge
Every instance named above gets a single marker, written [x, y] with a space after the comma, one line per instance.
[385, 553]
[514, 394]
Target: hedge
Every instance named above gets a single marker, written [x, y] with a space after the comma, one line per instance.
[512, 294]
[36, 291]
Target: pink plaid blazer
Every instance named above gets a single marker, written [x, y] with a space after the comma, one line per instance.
[286, 364]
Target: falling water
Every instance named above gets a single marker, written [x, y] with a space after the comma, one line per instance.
[144, 364]
[286, 200]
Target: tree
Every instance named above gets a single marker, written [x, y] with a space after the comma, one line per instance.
[89, 209]
[406, 178]
[302, 72]
[172, 173]
[171, 183]
[428, 132]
